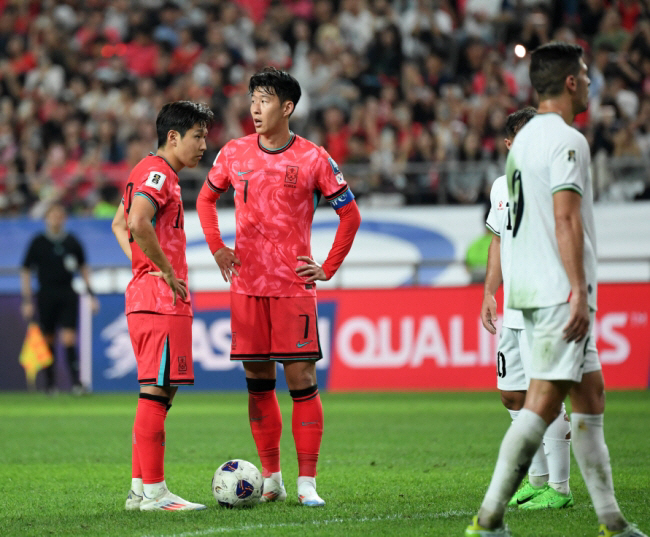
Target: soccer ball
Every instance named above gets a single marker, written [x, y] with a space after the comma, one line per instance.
[237, 483]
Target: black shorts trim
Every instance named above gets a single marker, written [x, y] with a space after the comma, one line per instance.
[172, 382]
[248, 356]
[147, 381]
[295, 354]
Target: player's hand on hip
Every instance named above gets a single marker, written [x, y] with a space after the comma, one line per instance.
[94, 305]
[27, 309]
[226, 259]
[312, 270]
[178, 287]
[489, 313]
[578, 326]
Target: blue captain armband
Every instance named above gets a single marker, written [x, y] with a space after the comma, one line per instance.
[342, 200]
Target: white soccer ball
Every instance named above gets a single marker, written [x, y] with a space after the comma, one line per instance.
[237, 483]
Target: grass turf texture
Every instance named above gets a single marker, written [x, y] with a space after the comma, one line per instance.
[391, 464]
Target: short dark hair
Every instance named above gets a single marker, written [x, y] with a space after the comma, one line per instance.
[518, 119]
[181, 116]
[550, 64]
[53, 206]
[275, 82]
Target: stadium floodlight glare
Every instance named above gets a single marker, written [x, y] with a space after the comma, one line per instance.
[520, 51]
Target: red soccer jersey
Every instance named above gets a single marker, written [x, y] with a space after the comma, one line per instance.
[276, 193]
[157, 181]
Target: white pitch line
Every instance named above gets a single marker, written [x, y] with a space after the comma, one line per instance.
[218, 530]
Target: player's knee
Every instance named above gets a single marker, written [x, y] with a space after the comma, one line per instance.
[69, 337]
[260, 370]
[300, 375]
[513, 400]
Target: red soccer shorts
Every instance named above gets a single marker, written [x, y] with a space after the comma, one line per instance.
[163, 348]
[274, 328]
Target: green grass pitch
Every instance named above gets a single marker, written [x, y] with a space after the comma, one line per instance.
[391, 464]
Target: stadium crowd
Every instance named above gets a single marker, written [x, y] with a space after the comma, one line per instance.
[407, 95]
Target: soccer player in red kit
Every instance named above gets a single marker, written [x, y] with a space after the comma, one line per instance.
[278, 178]
[149, 227]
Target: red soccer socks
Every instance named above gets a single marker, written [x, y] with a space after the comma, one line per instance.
[307, 425]
[149, 438]
[266, 422]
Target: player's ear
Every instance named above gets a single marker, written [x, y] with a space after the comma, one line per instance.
[571, 82]
[508, 142]
[288, 108]
[172, 138]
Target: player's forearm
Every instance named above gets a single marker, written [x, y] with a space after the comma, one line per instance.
[144, 235]
[493, 274]
[121, 231]
[85, 275]
[26, 284]
[206, 207]
[570, 240]
[345, 233]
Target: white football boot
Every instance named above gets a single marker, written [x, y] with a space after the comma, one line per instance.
[164, 500]
[134, 497]
[307, 492]
[133, 501]
[273, 490]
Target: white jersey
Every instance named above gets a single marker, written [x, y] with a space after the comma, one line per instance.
[499, 223]
[547, 156]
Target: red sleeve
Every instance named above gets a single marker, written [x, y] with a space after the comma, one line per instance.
[154, 186]
[206, 207]
[348, 226]
[216, 184]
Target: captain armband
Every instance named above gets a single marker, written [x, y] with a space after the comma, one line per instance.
[341, 201]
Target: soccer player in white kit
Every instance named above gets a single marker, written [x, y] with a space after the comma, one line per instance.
[548, 475]
[553, 283]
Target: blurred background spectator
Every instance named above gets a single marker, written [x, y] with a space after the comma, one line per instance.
[409, 96]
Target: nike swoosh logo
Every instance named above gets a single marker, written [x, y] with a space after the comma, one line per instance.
[519, 502]
[244, 173]
[303, 344]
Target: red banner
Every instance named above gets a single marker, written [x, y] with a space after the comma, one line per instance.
[431, 338]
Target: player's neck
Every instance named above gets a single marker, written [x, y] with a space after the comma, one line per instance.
[276, 140]
[55, 235]
[560, 105]
[171, 159]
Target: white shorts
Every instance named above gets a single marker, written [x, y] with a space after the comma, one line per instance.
[513, 360]
[552, 357]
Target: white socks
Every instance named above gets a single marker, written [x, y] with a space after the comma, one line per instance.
[552, 460]
[153, 490]
[136, 485]
[538, 471]
[592, 455]
[277, 477]
[557, 448]
[517, 449]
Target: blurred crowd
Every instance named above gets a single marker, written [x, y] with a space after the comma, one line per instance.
[409, 96]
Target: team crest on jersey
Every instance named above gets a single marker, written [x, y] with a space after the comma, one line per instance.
[572, 155]
[182, 364]
[156, 180]
[291, 175]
